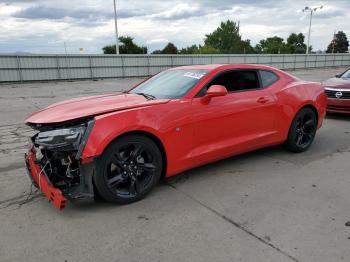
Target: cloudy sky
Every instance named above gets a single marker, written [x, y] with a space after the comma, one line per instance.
[42, 26]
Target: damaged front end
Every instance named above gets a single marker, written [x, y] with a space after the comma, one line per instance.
[54, 164]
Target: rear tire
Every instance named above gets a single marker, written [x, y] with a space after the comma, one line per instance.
[302, 131]
[128, 169]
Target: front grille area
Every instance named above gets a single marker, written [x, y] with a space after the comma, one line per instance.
[332, 93]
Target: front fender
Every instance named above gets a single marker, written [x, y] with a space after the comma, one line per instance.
[170, 123]
[110, 126]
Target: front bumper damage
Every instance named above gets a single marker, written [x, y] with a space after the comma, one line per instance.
[59, 175]
[40, 180]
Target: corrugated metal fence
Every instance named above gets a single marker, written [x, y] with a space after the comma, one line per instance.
[14, 68]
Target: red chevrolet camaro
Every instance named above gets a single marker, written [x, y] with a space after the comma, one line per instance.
[338, 92]
[118, 146]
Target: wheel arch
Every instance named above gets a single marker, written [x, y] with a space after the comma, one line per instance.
[151, 136]
[292, 117]
[312, 107]
[290, 143]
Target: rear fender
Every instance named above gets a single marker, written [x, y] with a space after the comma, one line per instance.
[294, 97]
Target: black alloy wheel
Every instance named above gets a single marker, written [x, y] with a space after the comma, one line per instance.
[302, 131]
[128, 169]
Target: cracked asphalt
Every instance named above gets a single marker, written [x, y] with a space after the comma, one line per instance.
[267, 205]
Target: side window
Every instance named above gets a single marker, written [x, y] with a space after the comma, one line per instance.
[268, 78]
[247, 80]
[234, 81]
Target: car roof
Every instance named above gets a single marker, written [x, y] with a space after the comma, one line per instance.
[211, 67]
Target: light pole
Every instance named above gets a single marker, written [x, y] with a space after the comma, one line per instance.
[116, 29]
[65, 47]
[311, 10]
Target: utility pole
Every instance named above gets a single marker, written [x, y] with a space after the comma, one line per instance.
[116, 29]
[67, 60]
[65, 47]
[311, 10]
[308, 38]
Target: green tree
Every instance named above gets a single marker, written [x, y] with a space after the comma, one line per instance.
[339, 44]
[194, 49]
[109, 49]
[272, 45]
[157, 52]
[126, 46]
[295, 43]
[170, 48]
[227, 40]
[247, 47]
[207, 50]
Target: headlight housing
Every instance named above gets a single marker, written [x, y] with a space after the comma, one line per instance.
[61, 138]
[65, 139]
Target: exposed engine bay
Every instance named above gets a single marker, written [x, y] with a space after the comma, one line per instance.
[58, 150]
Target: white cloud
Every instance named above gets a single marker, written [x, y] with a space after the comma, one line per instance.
[157, 41]
[42, 25]
[179, 11]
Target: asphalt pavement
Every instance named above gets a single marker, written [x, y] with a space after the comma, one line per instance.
[267, 205]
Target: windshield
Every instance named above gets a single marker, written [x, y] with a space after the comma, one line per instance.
[170, 84]
[346, 74]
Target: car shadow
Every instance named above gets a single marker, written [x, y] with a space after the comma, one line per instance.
[167, 184]
[228, 166]
[338, 116]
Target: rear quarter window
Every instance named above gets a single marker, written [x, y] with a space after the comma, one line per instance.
[268, 78]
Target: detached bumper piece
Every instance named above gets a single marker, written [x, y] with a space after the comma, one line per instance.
[40, 180]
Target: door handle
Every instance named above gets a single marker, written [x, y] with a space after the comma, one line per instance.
[263, 100]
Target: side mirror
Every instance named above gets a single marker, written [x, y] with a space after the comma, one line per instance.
[338, 75]
[216, 90]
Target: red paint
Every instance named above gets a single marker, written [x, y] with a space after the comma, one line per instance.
[196, 130]
[53, 194]
[342, 104]
[214, 91]
[87, 106]
[338, 106]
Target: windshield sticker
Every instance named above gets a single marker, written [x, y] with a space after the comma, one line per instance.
[195, 75]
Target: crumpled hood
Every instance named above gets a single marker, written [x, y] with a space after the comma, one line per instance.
[337, 83]
[82, 107]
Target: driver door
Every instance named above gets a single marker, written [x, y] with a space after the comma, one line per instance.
[242, 120]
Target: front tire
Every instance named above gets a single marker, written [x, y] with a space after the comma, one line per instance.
[302, 131]
[128, 169]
